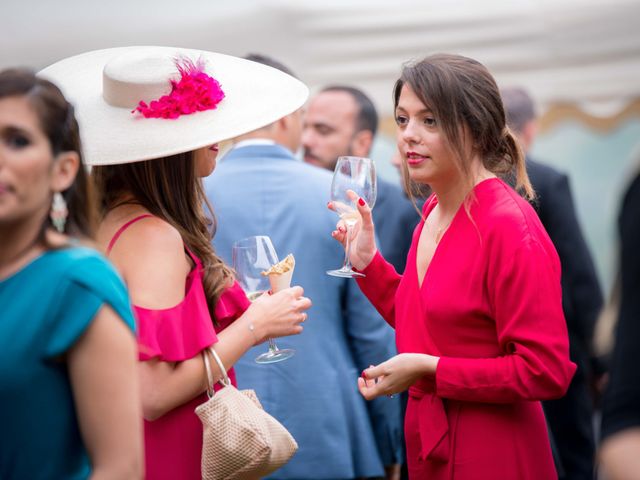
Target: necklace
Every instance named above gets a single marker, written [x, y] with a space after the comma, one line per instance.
[441, 230]
[439, 233]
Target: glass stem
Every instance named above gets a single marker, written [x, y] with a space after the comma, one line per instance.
[272, 345]
[347, 249]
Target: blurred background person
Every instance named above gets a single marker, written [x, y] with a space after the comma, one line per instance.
[260, 188]
[620, 447]
[342, 121]
[68, 381]
[571, 417]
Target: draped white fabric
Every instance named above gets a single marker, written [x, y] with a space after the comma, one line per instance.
[585, 52]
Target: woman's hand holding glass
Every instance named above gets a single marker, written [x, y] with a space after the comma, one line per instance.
[252, 256]
[354, 179]
[363, 239]
[279, 314]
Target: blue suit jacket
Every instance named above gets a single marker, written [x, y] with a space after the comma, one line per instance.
[264, 190]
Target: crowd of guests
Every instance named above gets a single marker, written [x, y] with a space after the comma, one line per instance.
[465, 352]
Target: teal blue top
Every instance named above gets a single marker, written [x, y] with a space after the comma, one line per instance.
[44, 309]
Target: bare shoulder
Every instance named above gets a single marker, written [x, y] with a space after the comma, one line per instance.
[147, 237]
[150, 255]
[153, 234]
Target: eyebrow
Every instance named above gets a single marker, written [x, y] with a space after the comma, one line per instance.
[420, 112]
[13, 129]
[319, 125]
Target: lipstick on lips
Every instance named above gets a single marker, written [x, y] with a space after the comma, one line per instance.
[214, 147]
[414, 158]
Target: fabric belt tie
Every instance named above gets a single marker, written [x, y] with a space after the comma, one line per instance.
[433, 425]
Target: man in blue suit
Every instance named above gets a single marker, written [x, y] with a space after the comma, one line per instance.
[342, 120]
[570, 418]
[259, 188]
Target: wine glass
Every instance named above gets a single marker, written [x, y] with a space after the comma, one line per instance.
[357, 174]
[251, 256]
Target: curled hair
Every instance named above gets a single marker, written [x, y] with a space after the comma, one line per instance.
[58, 123]
[170, 189]
[464, 98]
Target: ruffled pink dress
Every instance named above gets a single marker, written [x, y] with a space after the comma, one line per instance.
[173, 442]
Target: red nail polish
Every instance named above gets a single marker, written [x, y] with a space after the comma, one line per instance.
[363, 375]
[361, 202]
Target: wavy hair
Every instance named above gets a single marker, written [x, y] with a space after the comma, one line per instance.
[170, 189]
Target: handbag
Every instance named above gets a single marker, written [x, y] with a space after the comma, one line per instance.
[240, 440]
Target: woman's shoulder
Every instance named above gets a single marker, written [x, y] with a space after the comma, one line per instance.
[77, 261]
[145, 240]
[504, 214]
[63, 263]
[148, 232]
[89, 268]
[150, 254]
[86, 282]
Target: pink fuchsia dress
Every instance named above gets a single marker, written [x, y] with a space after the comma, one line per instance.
[173, 442]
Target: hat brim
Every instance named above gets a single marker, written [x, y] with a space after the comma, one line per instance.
[255, 95]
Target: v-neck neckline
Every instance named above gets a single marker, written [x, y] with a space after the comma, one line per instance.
[434, 201]
[420, 283]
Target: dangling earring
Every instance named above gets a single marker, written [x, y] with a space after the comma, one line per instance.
[59, 212]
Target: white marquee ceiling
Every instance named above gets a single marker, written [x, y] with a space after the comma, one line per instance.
[585, 52]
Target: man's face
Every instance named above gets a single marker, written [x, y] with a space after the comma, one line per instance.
[329, 128]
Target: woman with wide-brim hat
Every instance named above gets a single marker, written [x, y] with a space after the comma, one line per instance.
[152, 119]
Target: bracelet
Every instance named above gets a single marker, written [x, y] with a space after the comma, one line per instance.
[252, 329]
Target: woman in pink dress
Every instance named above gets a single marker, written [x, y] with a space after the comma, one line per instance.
[478, 317]
[151, 125]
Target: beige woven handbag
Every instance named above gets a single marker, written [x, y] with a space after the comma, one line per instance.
[240, 440]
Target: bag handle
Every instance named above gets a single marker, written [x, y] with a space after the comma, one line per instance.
[207, 368]
[225, 381]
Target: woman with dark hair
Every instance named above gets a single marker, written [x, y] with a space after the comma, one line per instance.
[154, 116]
[68, 386]
[478, 314]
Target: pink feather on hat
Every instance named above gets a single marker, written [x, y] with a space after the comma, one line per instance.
[194, 92]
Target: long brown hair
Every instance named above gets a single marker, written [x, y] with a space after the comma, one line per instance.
[463, 95]
[170, 189]
[58, 122]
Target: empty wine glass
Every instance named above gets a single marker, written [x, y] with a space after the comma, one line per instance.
[357, 174]
[251, 256]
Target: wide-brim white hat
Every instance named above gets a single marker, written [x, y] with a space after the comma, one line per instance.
[255, 95]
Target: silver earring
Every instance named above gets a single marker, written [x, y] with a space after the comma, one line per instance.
[59, 212]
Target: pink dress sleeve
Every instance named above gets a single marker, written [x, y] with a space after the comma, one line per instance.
[179, 332]
[531, 330]
[380, 285]
[232, 304]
